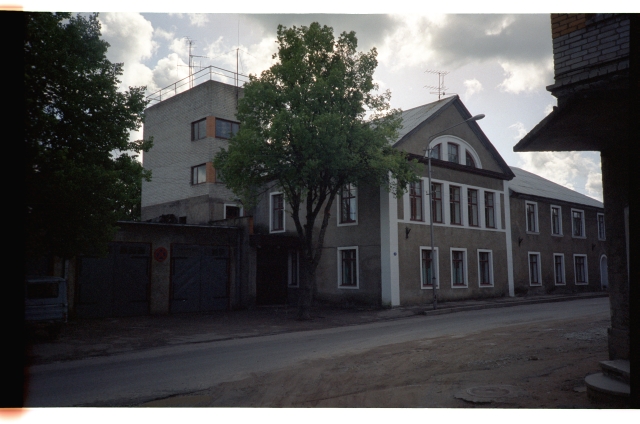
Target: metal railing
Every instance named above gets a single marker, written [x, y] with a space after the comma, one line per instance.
[207, 73]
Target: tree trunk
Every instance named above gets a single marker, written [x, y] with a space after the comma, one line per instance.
[307, 283]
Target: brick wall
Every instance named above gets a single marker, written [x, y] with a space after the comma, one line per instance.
[586, 46]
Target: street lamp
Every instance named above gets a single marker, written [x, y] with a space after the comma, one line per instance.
[434, 263]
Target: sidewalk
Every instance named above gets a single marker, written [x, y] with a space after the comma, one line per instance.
[107, 336]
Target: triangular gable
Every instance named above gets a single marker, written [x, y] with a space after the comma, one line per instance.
[416, 119]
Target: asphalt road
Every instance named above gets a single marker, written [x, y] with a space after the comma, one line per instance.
[133, 378]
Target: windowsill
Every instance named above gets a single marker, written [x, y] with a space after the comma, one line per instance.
[430, 287]
[276, 231]
[348, 287]
[483, 286]
[459, 286]
[346, 224]
[602, 239]
[557, 235]
[535, 284]
[561, 284]
[535, 233]
[582, 284]
[579, 237]
[457, 225]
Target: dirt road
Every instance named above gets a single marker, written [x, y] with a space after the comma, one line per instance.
[538, 365]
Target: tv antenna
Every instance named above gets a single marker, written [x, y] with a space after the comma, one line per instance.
[191, 56]
[440, 89]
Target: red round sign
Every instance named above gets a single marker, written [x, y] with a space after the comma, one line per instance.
[160, 254]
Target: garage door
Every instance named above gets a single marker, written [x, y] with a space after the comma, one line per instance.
[199, 278]
[115, 285]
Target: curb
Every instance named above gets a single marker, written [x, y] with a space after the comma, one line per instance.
[506, 304]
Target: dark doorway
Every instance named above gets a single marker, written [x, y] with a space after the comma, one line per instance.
[271, 276]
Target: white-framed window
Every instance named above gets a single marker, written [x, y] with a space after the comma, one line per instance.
[453, 152]
[469, 160]
[556, 220]
[531, 209]
[580, 270]
[436, 202]
[294, 269]
[232, 210]
[276, 213]
[429, 267]
[472, 206]
[535, 277]
[415, 201]
[459, 274]
[601, 231]
[558, 269]
[485, 268]
[348, 275]
[348, 214]
[489, 210]
[577, 223]
[455, 205]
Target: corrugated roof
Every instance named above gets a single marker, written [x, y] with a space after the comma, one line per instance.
[534, 185]
[413, 117]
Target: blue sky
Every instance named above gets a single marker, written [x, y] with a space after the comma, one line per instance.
[499, 64]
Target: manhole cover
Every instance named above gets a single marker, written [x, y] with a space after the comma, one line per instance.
[488, 394]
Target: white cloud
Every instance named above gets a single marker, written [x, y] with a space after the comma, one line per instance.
[574, 170]
[498, 27]
[130, 38]
[169, 70]
[161, 33]
[473, 86]
[521, 130]
[198, 19]
[525, 77]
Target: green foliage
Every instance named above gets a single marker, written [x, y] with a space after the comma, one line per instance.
[304, 122]
[81, 171]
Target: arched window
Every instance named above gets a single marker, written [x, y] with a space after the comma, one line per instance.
[469, 160]
[435, 152]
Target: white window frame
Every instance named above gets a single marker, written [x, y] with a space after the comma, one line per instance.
[290, 282]
[339, 268]
[555, 274]
[465, 271]
[437, 263]
[604, 228]
[284, 216]
[573, 232]
[539, 283]
[496, 211]
[536, 229]
[559, 234]
[490, 252]
[224, 211]
[339, 220]
[422, 202]
[586, 270]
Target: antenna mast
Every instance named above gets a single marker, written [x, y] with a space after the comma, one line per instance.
[440, 89]
[191, 56]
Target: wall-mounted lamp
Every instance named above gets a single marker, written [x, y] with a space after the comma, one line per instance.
[407, 230]
[520, 239]
[593, 246]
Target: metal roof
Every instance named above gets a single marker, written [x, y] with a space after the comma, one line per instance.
[534, 185]
[413, 117]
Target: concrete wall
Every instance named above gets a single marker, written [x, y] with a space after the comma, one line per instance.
[547, 244]
[173, 153]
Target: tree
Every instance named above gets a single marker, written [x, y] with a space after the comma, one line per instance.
[81, 171]
[304, 128]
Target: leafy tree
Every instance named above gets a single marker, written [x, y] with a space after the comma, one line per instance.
[304, 128]
[81, 171]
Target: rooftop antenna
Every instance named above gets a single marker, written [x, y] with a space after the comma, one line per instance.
[440, 89]
[191, 56]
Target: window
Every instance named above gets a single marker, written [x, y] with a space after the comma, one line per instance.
[485, 268]
[580, 269]
[436, 202]
[558, 269]
[199, 174]
[277, 212]
[577, 223]
[435, 152]
[454, 200]
[458, 268]
[219, 178]
[232, 211]
[348, 267]
[453, 152]
[226, 129]
[534, 269]
[532, 217]
[415, 200]
[556, 220]
[428, 267]
[294, 270]
[601, 233]
[469, 160]
[198, 129]
[472, 202]
[348, 205]
[489, 210]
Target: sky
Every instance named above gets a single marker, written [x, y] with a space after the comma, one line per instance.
[499, 64]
